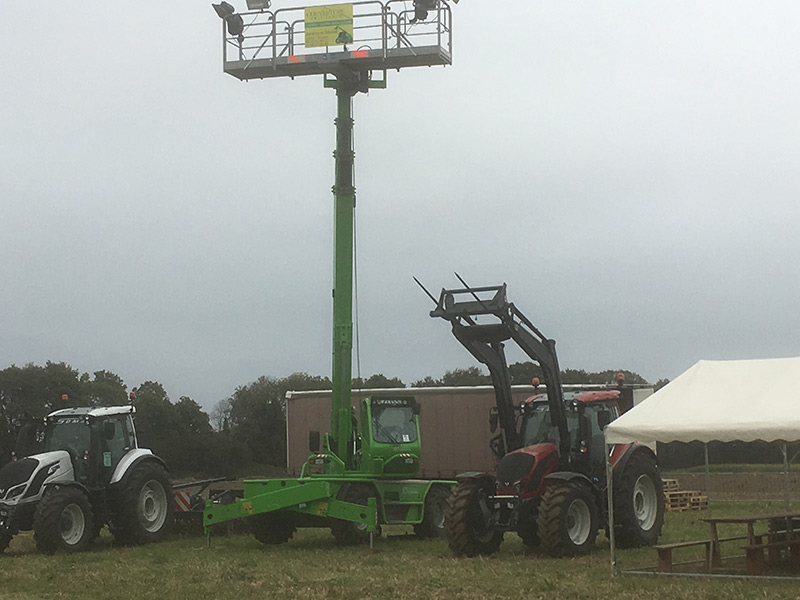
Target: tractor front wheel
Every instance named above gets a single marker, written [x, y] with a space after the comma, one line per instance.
[469, 521]
[273, 528]
[63, 521]
[567, 520]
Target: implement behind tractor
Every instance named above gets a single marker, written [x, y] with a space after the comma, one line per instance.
[551, 473]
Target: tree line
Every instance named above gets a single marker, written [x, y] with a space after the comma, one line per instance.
[244, 434]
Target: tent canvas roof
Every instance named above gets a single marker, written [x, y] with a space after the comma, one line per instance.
[728, 400]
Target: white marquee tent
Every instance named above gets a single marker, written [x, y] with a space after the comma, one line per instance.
[723, 401]
[745, 400]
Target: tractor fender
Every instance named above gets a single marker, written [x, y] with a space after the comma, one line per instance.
[570, 476]
[475, 476]
[66, 484]
[131, 460]
[622, 462]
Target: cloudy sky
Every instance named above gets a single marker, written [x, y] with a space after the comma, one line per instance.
[628, 168]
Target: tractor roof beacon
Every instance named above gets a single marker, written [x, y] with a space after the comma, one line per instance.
[551, 473]
[77, 470]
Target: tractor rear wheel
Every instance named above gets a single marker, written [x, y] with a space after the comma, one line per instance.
[144, 506]
[639, 503]
[348, 533]
[5, 540]
[63, 521]
[273, 528]
[432, 525]
[567, 520]
[469, 522]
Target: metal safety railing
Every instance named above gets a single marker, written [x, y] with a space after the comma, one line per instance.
[377, 26]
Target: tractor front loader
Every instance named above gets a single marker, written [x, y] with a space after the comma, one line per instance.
[551, 472]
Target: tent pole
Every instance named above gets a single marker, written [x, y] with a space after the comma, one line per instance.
[610, 500]
[705, 450]
[785, 477]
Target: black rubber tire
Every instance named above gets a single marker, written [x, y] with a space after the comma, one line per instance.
[143, 506]
[432, 525]
[273, 528]
[468, 523]
[639, 503]
[5, 540]
[567, 520]
[527, 528]
[63, 521]
[347, 533]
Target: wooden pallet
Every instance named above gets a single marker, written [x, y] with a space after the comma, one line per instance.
[670, 485]
[685, 500]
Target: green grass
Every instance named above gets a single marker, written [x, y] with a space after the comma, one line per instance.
[311, 567]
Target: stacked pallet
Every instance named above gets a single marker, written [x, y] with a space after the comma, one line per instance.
[685, 500]
[670, 485]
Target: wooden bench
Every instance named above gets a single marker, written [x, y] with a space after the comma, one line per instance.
[754, 553]
[665, 552]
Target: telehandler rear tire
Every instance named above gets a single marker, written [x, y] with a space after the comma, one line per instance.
[273, 528]
[432, 525]
[468, 523]
[348, 533]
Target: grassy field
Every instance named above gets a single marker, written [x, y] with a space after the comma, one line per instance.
[310, 566]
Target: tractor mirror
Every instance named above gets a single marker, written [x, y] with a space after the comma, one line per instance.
[493, 419]
[603, 419]
[313, 441]
[109, 429]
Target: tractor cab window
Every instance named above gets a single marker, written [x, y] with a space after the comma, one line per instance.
[67, 433]
[393, 424]
[538, 429]
[115, 440]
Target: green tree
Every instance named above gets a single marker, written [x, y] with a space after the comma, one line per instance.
[378, 381]
[469, 376]
[106, 389]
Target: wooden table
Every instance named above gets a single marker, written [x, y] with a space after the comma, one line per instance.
[783, 532]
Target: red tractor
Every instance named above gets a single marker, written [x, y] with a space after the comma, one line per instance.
[551, 471]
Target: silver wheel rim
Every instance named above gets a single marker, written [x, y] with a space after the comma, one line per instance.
[72, 524]
[645, 502]
[152, 506]
[579, 522]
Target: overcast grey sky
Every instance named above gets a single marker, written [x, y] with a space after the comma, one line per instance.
[629, 168]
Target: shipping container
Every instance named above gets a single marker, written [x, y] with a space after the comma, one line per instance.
[454, 424]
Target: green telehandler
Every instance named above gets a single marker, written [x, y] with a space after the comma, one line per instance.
[358, 477]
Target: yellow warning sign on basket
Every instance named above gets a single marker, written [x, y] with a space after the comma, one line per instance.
[330, 25]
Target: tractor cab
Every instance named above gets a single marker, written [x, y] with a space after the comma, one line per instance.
[96, 439]
[586, 414]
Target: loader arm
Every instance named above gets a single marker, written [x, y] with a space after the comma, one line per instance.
[466, 309]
